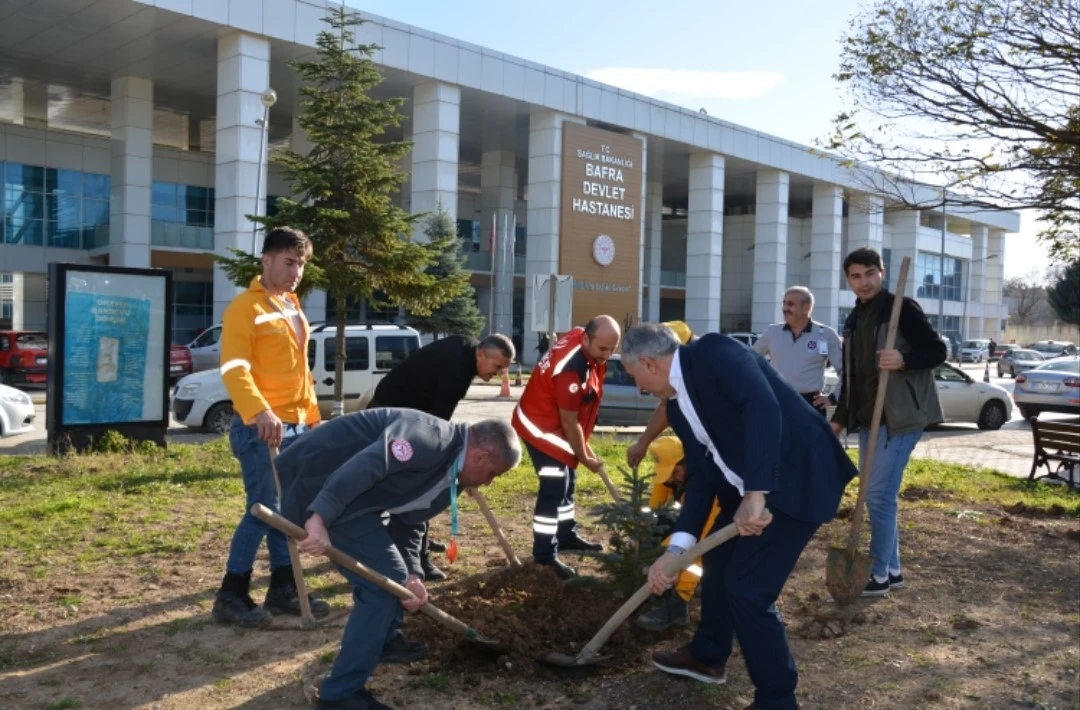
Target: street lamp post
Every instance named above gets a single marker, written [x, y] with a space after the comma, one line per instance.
[941, 273]
[268, 98]
[967, 291]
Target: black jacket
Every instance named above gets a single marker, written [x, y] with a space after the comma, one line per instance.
[433, 379]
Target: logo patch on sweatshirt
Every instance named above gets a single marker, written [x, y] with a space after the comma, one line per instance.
[401, 449]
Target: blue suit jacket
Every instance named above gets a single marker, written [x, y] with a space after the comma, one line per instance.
[764, 431]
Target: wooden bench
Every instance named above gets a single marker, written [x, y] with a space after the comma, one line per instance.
[1056, 443]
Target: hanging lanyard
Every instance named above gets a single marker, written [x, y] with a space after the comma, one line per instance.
[451, 549]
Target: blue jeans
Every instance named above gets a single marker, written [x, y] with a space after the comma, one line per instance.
[891, 455]
[376, 614]
[258, 476]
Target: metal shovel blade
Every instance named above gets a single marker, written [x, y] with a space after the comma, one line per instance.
[565, 660]
[846, 573]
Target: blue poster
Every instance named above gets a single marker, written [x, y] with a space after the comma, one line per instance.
[105, 358]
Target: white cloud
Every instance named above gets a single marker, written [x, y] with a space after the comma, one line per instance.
[662, 83]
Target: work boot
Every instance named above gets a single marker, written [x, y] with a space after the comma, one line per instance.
[431, 572]
[575, 543]
[283, 598]
[401, 650]
[233, 604]
[564, 571]
[360, 700]
[669, 610]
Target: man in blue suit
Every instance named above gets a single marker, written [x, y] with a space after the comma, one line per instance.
[778, 471]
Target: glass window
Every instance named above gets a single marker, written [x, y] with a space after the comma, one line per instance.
[944, 373]
[95, 187]
[30, 177]
[392, 350]
[69, 183]
[356, 353]
[163, 193]
[616, 374]
[1061, 366]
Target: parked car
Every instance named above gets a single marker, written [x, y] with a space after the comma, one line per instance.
[206, 349]
[624, 404]
[975, 350]
[963, 399]
[371, 351]
[1053, 386]
[1054, 348]
[1001, 350]
[16, 412]
[24, 357]
[179, 362]
[745, 338]
[1016, 361]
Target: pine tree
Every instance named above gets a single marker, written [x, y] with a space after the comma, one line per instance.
[636, 534]
[343, 189]
[1064, 295]
[460, 315]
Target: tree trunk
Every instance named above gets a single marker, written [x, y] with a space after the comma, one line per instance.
[339, 360]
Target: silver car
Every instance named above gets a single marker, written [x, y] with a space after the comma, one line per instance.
[1014, 362]
[965, 400]
[1054, 386]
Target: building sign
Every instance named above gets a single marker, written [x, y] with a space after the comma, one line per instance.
[600, 221]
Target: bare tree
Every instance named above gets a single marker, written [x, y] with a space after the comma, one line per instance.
[979, 97]
[1028, 295]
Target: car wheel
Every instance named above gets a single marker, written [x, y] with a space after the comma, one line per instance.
[219, 418]
[5, 376]
[992, 415]
[1029, 413]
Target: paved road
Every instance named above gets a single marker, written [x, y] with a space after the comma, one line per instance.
[1008, 450]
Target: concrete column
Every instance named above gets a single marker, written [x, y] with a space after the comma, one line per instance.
[825, 259]
[545, 173]
[704, 241]
[994, 275]
[904, 243]
[243, 74]
[976, 283]
[436, 128]
[866, 222]
[498, 190]
[132, 122]
[770, 247]
[642, 207]
[654, 220]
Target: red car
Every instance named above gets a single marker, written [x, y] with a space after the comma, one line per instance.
[24, 357]
[179, 362]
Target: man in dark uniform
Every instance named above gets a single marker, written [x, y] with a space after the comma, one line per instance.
[342, 480]
[434, 379]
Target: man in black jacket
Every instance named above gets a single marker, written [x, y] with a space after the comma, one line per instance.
[434, 379]
[911, 401]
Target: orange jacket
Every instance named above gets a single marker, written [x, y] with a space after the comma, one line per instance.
[263, 362]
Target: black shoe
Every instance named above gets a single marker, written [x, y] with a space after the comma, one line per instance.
[283, 597]
[233, 604]
[431, 572]
[360, 700]
[436, 546]
[401, 650]
[563, 571]
[579, 544]
[670, 610]
[875, 588]
[896, 581]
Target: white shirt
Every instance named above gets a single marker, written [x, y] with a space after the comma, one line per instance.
[686, 406]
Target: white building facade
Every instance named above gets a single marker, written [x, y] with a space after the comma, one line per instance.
[132, 134]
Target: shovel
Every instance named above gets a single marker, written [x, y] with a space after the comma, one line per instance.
[846, 569]
[588, 655]
[495, 527]
[610, 486]
[307, 620]
[470, 634]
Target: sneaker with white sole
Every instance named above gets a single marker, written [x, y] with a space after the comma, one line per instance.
[896, 581]
[681, 662]
[875, 588]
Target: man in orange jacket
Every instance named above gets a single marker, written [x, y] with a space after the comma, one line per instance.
[264, 367]
[668, 486]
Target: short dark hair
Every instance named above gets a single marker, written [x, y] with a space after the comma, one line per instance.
[500, 343]
[281, 239]
[864, 256]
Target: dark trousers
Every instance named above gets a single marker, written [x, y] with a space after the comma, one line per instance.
[741, 581]
[809, 397]
[553, 517]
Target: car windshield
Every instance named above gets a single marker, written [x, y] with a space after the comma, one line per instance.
[1047, 347]
[1025, 355]
[33, 341]
[1061, 366]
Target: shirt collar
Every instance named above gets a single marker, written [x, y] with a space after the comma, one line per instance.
[675, 376]
[809, 327]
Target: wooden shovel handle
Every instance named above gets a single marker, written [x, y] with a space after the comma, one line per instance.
[294, 554]
[286, 526]
[866, 462]
[495, 527]
[610, 486]
[683, 561]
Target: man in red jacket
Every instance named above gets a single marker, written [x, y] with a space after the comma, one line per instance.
[555, 417]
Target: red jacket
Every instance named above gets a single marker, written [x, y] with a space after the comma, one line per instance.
[565, 378]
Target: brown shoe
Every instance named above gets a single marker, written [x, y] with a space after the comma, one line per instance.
[680, 662]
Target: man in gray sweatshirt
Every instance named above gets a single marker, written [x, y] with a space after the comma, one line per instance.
[367, 483]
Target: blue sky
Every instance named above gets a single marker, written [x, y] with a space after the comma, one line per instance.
[765, 64]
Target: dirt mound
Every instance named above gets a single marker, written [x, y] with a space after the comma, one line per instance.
[531, 612]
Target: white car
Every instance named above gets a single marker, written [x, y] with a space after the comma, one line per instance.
[745, 338]
[371, 351]
[16, 412]
[975, 350]
[965, 400]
